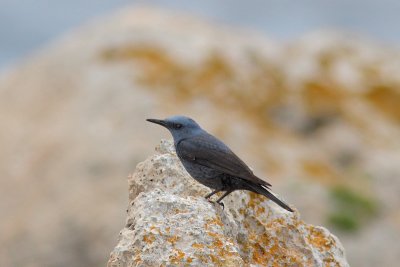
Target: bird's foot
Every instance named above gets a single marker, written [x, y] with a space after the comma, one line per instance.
[222, 205]
[219, 203]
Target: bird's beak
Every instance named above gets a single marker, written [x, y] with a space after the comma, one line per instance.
[161, 122]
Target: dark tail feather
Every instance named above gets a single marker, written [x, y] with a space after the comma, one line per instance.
[263, 191]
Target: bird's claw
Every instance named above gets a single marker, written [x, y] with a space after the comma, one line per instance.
[219, 203]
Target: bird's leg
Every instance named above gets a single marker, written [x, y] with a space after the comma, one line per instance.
[213, 193]
[222, 197]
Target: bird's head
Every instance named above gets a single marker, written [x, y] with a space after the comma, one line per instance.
[179, 126]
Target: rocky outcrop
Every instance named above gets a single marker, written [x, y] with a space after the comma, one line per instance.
[171, 224]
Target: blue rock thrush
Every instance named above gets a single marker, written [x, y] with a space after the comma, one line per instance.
[211, 162]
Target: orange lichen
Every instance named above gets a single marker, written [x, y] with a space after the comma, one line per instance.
[260, 210]
[215, 78]
[220, 247]
[198, 246]
[214, 235]
[189, 259]
[386, 99]
[137, 260]
[330, 262]
[318, 239]
[212, 222]
[220, 253]
[173, 239]
[263, 248]
[217, 221]
[320, 171]
[242, 211]
[202, 258]
[321, 98]
[177, 257]
[276, 255]
[255, 246]
[259, 254]
[217, 243]
[255, 200]
[149, 239]
[215, 259]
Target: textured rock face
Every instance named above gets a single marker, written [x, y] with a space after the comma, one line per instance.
[170, 223]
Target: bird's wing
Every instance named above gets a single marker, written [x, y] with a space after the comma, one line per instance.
[208, 151]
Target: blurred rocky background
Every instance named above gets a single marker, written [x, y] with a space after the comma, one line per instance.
[317, 114]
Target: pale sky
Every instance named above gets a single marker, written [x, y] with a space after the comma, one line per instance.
[26, 25]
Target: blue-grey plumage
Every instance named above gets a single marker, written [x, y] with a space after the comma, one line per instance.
[211, 162]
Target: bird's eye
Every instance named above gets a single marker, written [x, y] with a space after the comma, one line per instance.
[177, 125]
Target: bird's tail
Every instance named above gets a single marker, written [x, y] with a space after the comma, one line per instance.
[263, 191]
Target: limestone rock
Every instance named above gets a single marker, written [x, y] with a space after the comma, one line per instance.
[171, 224]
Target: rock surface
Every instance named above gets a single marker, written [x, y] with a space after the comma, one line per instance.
[171, 224]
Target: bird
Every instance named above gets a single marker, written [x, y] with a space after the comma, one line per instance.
[211, 162]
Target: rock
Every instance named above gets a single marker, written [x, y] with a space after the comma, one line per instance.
[170, 223]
